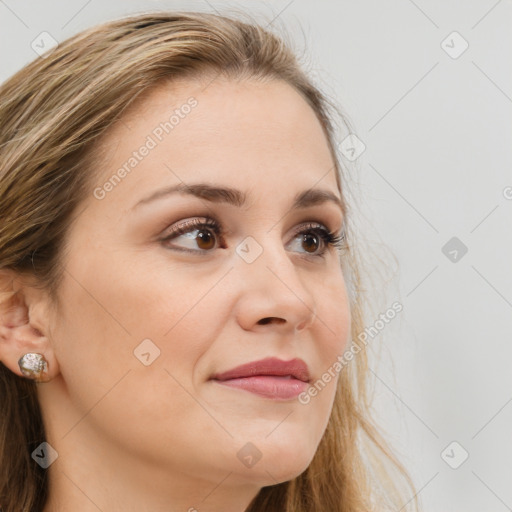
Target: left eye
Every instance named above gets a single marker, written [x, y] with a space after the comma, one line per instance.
[204, 234]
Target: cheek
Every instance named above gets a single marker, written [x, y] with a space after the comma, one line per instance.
[116, 330]
[334, 318]
[148, 408]
[332, 336]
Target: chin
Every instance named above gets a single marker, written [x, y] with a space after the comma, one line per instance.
[270, 474]
[281, 463]
[288, 466]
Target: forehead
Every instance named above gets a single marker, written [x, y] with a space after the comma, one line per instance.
[246, 134]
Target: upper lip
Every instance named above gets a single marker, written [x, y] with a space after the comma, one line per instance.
[296, 368]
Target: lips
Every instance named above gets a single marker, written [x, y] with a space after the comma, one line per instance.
[295, 368]
[271, 378]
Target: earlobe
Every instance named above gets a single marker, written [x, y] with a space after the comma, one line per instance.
[24, 348]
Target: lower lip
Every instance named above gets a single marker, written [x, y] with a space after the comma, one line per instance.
[268, 386]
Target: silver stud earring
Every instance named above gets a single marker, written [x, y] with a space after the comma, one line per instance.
[34, 366]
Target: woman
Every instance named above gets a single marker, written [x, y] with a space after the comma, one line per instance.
[178, 281]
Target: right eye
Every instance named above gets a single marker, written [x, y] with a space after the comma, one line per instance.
[199, 234]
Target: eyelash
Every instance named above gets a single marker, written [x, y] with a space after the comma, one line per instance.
[328, 238]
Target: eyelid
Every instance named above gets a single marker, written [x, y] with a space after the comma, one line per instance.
[220, 229]
[312, 224]
[189, 225]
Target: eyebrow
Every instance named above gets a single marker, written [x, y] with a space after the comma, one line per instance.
[235, 197]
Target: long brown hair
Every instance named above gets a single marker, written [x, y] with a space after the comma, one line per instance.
[52, 112]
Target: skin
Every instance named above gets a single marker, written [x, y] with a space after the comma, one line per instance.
[164, 437]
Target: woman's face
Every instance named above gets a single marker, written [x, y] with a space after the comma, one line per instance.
[146, 323]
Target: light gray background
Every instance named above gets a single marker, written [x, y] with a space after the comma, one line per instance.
[437, 165]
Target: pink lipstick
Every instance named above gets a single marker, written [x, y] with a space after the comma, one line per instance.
[270, 378]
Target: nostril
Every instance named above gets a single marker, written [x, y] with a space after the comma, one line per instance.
[301, 326]
[267, 320]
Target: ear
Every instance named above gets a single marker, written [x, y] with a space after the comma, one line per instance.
[24, 323]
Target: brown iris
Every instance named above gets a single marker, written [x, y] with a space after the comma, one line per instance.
[205, 239]
[311, 241]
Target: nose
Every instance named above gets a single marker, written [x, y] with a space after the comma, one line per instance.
[272, 290]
